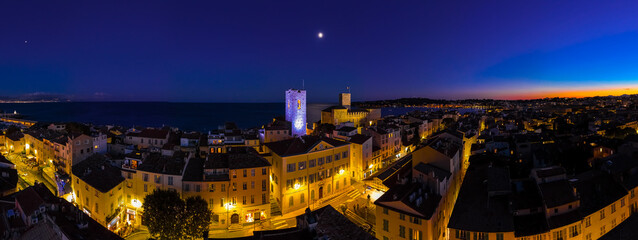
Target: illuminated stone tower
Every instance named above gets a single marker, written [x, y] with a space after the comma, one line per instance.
[296, 110]
[344, 100]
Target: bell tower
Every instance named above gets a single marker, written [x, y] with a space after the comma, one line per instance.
[296, 111]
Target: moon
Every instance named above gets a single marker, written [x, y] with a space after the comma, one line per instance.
[320, 35]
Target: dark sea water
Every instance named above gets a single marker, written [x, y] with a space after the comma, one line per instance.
[187, 116]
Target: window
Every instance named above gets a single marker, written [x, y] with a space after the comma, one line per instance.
[302, 165]
[328, 159]
[401, 228]
[587, 221]
[264, 171]
[499, 236]
[385, 211]
[344, 154]
[198, 188]
[602, 214]
[302, 198]
[210, 203]
[221, 202]
[245, 186]
[602, 230]
[559, 235]
[263, 198]
[223, 187]
[243, 200]
[252, 199]
[234, 186]
[96, 208]
[234, 173]
[385, 225]
[574, 231]
[252, 172]
[291, 167]
[622, 202]
[312, 163]
[252, 185]
[291, 201]
[211, 188]
[170, 181]
[415, 220]
[145, 188]
[263, 185]
[613, 208]
[245, 172]
[320, 161]
[145, 177]
[187, 187]
[158, 179]
[337, 157]
[401, 216]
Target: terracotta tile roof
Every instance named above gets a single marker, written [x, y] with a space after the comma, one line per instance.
[300, 145]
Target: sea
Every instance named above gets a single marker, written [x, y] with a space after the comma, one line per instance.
[186, 116]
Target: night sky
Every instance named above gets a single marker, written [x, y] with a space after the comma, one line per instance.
[252, 51]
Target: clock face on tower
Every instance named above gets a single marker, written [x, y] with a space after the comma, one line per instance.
[299, 124]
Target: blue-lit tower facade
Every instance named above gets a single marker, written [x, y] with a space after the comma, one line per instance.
[296, 111]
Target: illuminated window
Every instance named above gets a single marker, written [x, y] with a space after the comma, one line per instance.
[298, 104]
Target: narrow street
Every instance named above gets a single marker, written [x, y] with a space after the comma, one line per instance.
[27, 174]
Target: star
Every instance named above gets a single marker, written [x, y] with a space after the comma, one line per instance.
[320, 35]
[25, 41]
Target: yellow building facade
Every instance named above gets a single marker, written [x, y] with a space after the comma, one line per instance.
[307, 170]
[98, 188]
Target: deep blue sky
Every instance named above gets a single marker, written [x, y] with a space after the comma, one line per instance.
[252, 51]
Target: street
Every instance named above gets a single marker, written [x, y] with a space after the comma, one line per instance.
[28, 174]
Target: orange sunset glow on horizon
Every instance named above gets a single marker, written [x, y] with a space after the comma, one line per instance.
[567, 93]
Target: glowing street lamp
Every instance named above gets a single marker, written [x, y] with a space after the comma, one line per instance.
[136, 203]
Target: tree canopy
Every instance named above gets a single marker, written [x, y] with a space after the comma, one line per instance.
[167, 216]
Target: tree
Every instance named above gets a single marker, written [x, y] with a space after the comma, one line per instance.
[163, 213]
[448, 122]
[12, 129]
[197, 217]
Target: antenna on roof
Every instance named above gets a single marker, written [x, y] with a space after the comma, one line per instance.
[348, 87]
[303, 84]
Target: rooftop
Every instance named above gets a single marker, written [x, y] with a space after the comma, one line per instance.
[359, 138]
[474, 203]
[557, 193]
[413, 199]
[158, 163]
[236, 158]
[97, 172]
[300, 145]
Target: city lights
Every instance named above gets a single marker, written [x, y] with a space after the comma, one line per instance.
[136, 203]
